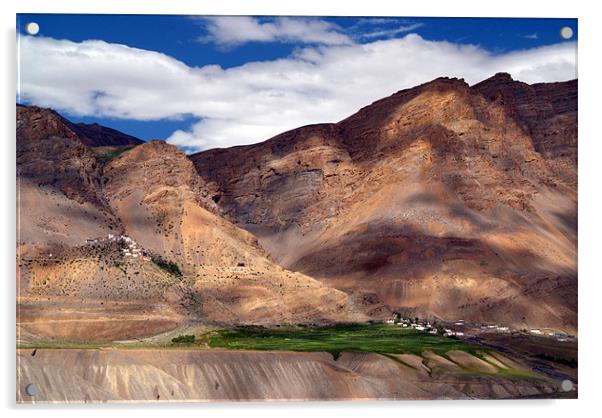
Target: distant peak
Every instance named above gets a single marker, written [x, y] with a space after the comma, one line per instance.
[90, 134]
[500, 77]
[449, 79]
[446, 81]
[503, 75]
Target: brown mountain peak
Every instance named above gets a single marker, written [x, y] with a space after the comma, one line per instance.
[443, 81]
[96, 135]
[35, 123]
[156, 163]
[402, 96]
[501, 76]
[497, 82]
[547, 112]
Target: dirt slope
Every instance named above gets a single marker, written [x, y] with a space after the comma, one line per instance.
[179, 375]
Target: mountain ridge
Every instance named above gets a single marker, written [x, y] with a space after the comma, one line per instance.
[443, 201]
[90, 134]
[441, 164]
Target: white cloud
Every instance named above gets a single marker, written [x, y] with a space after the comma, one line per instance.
[255, 101]
[231, 31]
[388, 33]
[531, 36]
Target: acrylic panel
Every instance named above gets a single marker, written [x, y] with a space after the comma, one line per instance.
[270, 208]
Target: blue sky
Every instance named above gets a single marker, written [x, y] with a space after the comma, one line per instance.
[286, 70]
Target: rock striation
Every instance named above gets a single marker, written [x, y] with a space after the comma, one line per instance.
[441, 200]
[545, 111]
[193, 375]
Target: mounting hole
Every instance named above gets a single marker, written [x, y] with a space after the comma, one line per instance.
[566, 385]
[31, 389]
[566, 32]
[32, 28]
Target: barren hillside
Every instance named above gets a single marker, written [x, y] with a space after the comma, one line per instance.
[97, 240]
[442, 200]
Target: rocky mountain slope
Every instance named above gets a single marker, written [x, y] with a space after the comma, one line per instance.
[442, 200]
[59, 187]
[163, 205]
[547, 112]
[99, 239]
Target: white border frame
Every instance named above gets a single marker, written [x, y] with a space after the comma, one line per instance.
[590, 210]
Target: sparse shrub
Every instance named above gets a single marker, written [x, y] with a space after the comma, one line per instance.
[184, 339]
[167, 265]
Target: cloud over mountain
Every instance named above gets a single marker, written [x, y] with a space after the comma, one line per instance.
[251, 102]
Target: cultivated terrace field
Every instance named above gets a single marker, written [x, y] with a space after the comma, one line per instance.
[375, 338]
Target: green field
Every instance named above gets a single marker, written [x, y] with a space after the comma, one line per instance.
[335, 339]
[376, 338]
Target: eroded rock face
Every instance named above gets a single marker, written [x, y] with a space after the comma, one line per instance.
[60, 202]
[72, 255]
[164, 206]
[180, 375]
[51, 154]
[547, 112]
[438, 200]
[271, 184]
[234, 280]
